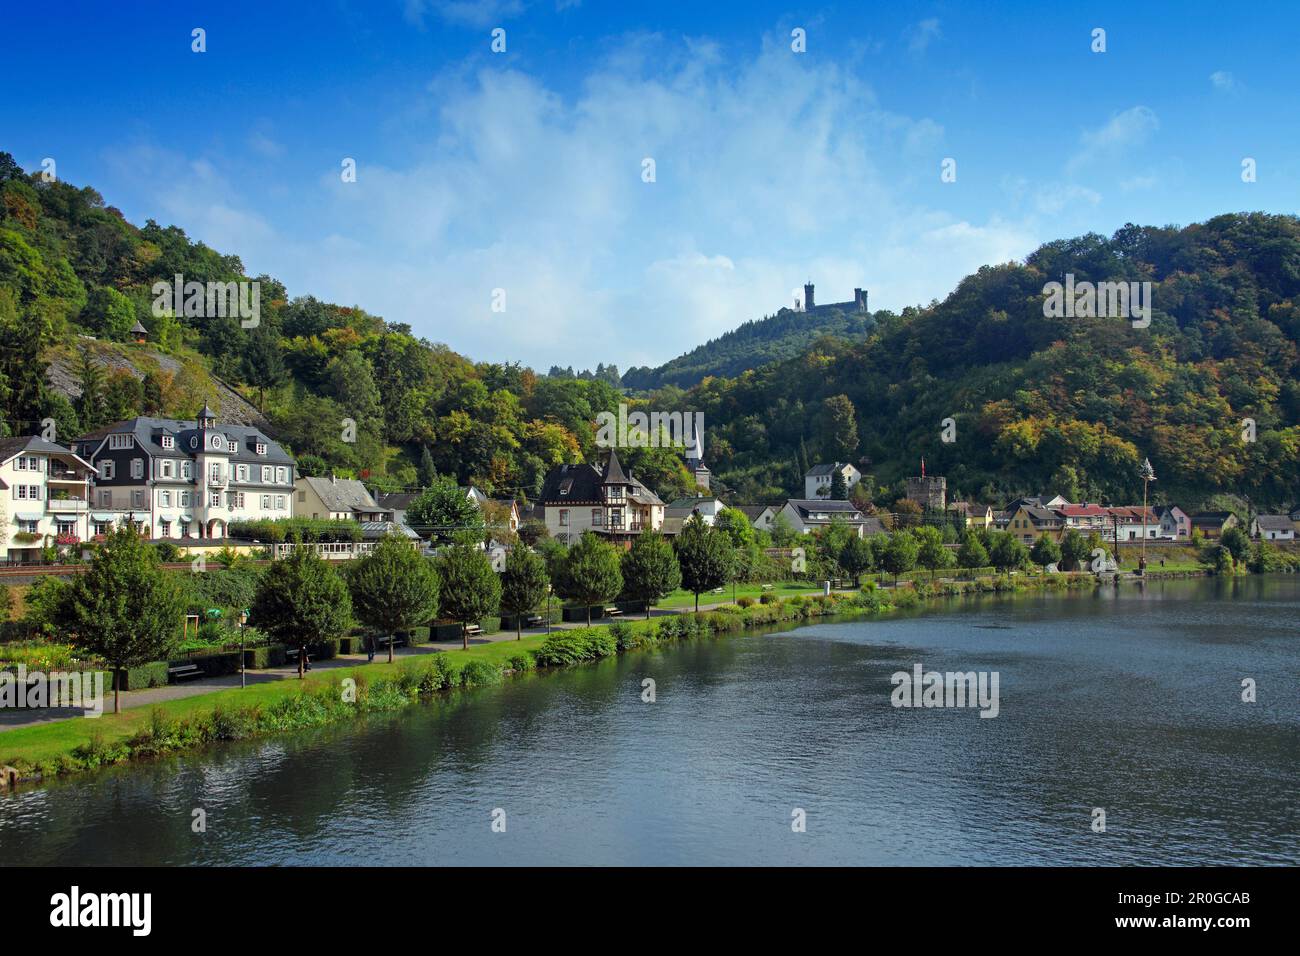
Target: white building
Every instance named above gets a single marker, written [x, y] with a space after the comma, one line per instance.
[817, 482]
[609, 502]
[44, 497]
[806, 516]
[185, 479]
[1273, 528]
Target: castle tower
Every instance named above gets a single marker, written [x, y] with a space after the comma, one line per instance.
[860, 299]
[807, 296]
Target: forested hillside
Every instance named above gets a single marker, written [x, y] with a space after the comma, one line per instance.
[1070, 406]
[72, 268]
[755, 343]
[1067, 405]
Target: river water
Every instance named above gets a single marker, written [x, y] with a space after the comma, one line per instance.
[1126, 701]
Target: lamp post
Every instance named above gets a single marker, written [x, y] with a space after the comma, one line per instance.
[243, 619]
[1148, 476]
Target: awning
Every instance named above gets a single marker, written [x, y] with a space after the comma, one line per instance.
[66, 519]
[102, 516]
[28, 515]
[186, 518]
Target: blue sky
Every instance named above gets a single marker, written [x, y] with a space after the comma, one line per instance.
[522, 170]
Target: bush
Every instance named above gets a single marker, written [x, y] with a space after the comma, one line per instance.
[522, 663]
[572, 647]
[477, 673]
[768, 598]
[745, 602]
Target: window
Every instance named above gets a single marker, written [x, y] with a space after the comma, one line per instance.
[261, 448]
[105, 498]
[108, 470]
[241, 472]
[564, 517]
[183, 499]
[280, 503]
[302, 497]
[616, 518]
[237, 499]
[232, 447]
[167, 468]
[266, 502]
[137, 467]
[27, 463]
[101, 527]
[596, 517]
[137, 498]
[164, 500]
[214, 500]
[266, 474]
[164, 529]
[281, 476]
[30, 527]
[119, 441]
[187, 469]
[194, 441]
[168, 441]
[185, 529]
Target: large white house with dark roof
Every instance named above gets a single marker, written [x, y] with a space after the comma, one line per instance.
[185, 479]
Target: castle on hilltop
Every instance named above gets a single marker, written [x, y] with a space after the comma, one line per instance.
[859, 303]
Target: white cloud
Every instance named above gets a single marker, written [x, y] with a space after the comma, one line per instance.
[770, 171]
[1223, 80]
[922, 34]
[468, 13]
[1122, 133]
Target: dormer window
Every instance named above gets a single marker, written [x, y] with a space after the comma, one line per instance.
[168, 441]
[119, 441]
[232, 447]
[261, 448]
[194, 441]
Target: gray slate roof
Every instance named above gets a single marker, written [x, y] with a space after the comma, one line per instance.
[343, 494]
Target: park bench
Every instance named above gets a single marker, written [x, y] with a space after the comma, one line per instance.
[767, 587]
[613, 612]
[473, 630]
[182, 671]
[536, 620]
[718, 590]
[386, 639]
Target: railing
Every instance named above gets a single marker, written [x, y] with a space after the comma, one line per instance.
[66, 504]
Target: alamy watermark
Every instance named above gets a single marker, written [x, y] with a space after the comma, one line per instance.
[209, 300]
[1104, 300]
[651, 430]
[83, 690]
[923, 688]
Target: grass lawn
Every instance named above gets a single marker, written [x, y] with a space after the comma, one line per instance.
[783, 589]
[43, 743]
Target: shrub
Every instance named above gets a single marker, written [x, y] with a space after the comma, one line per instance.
[561, 650]
[522, 663]
[478, 673]
[745, 602]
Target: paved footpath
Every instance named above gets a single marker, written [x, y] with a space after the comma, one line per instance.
[12, 718]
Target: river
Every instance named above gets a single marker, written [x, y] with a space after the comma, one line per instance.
[1126, 701]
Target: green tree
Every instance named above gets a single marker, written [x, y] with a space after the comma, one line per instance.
[734, 523]
[971, 554]
[650, 569]
[591, 573]
[856, 557]
[1045, 551]
[90, 403]
[442, 510]
[300, 600]
[931, 553]
[1238, 542]
[1007, 551]
[394, 588]
[470, 588]
[108, 313]
[125, 608]
[263, 363]
[900, 556]
[1074, 550]
[704, 556]
[523, 584]
[839, 428]
[839, 487]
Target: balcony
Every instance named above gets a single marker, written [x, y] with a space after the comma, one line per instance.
[66, 505]
[216, 481]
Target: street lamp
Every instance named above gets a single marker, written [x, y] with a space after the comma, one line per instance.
[243, 619]
[1148, 476]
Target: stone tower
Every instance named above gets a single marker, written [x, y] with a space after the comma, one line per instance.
[807, 296]
[860, 299]
[930, 492]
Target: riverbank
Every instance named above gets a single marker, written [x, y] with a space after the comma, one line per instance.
[75, 745]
